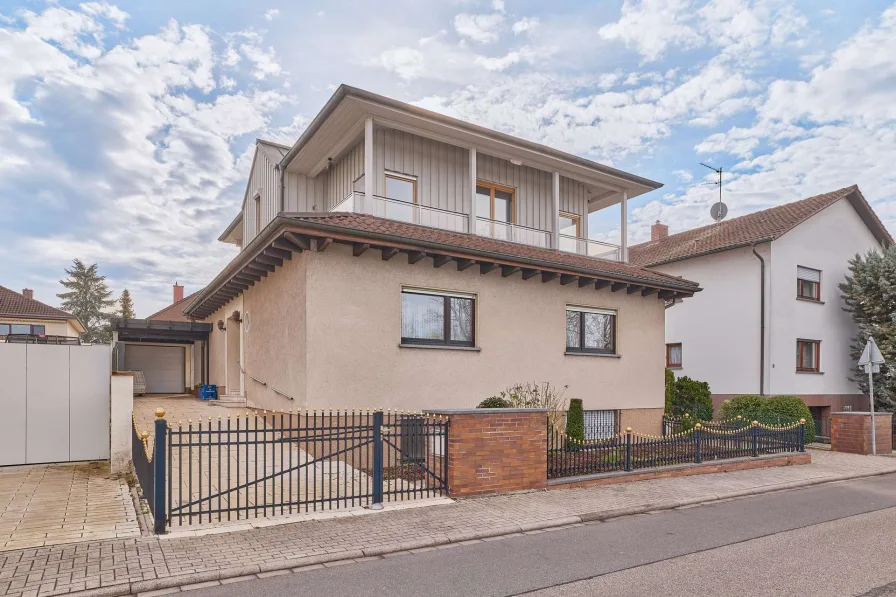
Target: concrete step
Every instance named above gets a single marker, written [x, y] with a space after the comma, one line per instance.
[230, 400]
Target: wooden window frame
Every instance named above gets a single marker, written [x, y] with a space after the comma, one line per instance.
[578, 220]
[446, 319]
[800, 342]
[257, 213]
[799, 287]
[669, 363]
[399, 176]
[497, 187]
[581, 311]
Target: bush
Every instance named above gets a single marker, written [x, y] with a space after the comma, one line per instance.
[670, 390]
[575, 420]
[747, 407]
[494, 402]
[689, 396]
[777, 410]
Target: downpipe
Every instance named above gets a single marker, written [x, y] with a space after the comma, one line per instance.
[761, 321]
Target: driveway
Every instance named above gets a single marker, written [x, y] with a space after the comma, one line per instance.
[49, 504]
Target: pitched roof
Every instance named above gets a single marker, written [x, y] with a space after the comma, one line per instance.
[761, 226]
[368, 224]
[174, 311]
[275, 151]
[13, 304]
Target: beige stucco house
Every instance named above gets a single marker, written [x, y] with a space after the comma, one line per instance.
[22, 315]
[398, 258]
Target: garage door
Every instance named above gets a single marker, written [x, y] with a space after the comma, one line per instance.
[163, 367]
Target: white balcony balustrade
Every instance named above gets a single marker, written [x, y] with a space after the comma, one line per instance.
[404, 212]
[513, 233]
[590, 248]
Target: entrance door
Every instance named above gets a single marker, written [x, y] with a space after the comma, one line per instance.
[234, 379]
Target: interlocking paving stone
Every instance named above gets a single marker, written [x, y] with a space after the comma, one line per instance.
[150, 563]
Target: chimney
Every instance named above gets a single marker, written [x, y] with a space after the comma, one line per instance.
[178, 292]
[28, 293]
[658, 231]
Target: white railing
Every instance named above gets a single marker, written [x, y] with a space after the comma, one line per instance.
[404, 212]
[513, 233]
[590, 248]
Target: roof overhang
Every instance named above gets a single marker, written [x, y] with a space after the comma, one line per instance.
[340, 124]
[142, 330]
[73, 320]
[234, 232]
[286, 236]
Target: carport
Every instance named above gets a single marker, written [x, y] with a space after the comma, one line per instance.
[173, 355]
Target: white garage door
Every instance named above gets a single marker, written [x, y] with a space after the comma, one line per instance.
[163, 367]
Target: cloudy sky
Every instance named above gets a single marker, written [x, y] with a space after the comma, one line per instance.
[126, 129]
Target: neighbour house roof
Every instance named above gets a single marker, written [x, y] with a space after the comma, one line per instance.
[174, 311]
[13, 304]
[758, 227]
[293, 232]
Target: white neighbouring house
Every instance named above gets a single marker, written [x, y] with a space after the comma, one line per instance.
[802, 349]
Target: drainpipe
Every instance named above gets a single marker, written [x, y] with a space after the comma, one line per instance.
[761, 321]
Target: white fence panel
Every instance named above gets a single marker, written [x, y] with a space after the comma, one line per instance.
[89, 379]
[48, 404]
[13, 400]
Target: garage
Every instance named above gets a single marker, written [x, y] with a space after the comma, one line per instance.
[162, 366]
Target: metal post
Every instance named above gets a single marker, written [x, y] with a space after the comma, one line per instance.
[377, 461]
[871, 398]
[803, 435]
[628, 449]
[158, 462]
[697, 435]
[755, 438]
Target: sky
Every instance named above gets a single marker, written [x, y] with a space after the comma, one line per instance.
[127, 128]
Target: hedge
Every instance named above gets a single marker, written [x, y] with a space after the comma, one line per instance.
[777, 410]
[575, 420]
[494, 402]
[688, 396]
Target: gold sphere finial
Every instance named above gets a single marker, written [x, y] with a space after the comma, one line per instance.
[687, 416]
[628, 429]
[802, 421]
[755, 423]
[160, 412]
[698, 426]
[144, 436]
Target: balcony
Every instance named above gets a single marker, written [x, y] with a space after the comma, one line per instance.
[590, 248]
[404, 212]
[513, 233]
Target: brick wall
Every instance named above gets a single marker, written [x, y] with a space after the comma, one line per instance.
[496, 451]
[851, 432]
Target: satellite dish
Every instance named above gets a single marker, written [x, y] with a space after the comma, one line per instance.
[719, 211]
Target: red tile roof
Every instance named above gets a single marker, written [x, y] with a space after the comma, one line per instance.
[13, 304]
[174, 311]
[757, 227]
[403, 231]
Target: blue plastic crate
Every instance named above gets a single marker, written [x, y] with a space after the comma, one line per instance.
[208, 392]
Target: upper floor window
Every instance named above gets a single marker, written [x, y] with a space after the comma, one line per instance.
[673, 356]
[570, 231]
[808, 355]
[590, 330]
[400, 187]
[257, 213]
[21, 328]
[808, 283]
[437, 318]
[494, 202]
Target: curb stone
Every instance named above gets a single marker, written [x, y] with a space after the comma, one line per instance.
[451, 538]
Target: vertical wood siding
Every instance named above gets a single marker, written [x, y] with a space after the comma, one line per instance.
[263, 179]
[303, 193]
[343, 173]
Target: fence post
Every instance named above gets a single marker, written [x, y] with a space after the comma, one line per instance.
[755, 438]
[802, 435]
[697, 435]
[377, 460]
[159, 482]
[628, 449]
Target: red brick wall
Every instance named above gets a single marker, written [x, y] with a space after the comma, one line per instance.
[496, 451]
[851, 432]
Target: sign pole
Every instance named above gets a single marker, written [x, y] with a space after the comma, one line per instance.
[871, 393]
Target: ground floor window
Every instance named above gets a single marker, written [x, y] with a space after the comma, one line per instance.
[590, 330]
[434, 317]
[21, 328]
[808, 355]
[673, 355]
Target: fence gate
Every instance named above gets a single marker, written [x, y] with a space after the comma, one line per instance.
[267, 464]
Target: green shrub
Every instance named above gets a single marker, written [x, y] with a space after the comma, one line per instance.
[494, 402]
[670, 390]
[689, 396]
[777, 410]
[575, 420]
[747, 407]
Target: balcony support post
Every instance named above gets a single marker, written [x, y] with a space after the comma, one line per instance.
[623, 229]
[473, 176]
[369, 178]
[555, 237]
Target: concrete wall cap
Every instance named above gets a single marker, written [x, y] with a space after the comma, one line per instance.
[864, 413]
[483, 411]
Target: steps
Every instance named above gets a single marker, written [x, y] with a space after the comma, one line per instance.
[230, 400]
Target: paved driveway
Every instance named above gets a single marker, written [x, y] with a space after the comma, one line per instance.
[50, 504]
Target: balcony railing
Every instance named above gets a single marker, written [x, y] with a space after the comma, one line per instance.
[513, 233]
[404, 212]
[590, 248]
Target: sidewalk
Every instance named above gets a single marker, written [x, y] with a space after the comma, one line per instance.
[123, 566]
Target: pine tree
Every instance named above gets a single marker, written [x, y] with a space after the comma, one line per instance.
[87, 298]
[126, 305]
[870, 296]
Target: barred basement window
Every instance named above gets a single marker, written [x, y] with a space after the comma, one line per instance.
[590, 330]
[437, 318]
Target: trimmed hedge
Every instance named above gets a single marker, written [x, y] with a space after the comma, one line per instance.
[494, 402]
[777, 410]
[575, 420]
[688, 396]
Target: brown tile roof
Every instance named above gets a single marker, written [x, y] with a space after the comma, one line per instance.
[760, 226]
[13, 304]
[403, 231]
[174, 311]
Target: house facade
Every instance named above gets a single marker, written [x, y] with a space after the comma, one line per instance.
[770, 319]
[397, 258]
[22, 316]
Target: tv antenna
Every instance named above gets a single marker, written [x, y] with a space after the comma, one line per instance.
[719, 210]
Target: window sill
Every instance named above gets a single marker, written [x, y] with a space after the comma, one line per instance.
[810, 300]
[810, 372]
[593, 354]
[441, 347]
[673, 367]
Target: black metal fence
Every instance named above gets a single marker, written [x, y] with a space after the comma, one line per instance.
[629, 451]
[265, 464]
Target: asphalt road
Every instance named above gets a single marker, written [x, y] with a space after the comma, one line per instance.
[834, 539]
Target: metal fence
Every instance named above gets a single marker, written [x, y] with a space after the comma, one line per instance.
[266, 464]
[629, 451]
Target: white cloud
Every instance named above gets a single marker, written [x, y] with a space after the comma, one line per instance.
[684, 176]
[265, 61]
[526, 24]
[524, 54]
[498, 5]
[405, 62]
[651, 26]
[106, 11]
[271, 14]
[483, 28]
